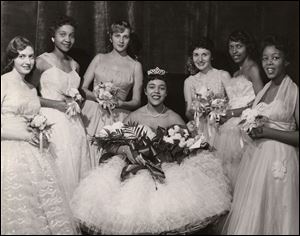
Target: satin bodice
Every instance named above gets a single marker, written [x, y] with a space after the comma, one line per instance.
[239, 91]
[55, 82]
[123, 79]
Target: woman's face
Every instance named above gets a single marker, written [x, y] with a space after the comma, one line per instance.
[156, 92]
[24, 62]
[64, 38]
[120, 40]
[237, 51]
[273, 62]
[202, 59]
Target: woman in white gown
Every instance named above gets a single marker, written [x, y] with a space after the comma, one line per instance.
[203, 75]
[266, 196]
[120, 69]
[32, 199]
[241, 91]
[194, 193]
[55, 75]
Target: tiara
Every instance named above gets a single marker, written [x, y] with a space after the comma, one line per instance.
[156, 71]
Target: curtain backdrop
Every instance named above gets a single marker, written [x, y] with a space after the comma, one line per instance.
[164, 29]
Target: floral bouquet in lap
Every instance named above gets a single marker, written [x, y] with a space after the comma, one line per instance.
[144, 149]
[106, 95]
[41, 128]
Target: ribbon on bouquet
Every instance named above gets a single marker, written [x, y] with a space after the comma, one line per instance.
[41, 141]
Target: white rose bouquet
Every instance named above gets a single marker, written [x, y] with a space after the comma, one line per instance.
[106, 95]
[250, 119]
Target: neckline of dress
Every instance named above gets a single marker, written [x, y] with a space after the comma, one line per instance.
[53, 64]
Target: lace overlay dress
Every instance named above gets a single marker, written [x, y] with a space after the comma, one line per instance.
[32, 200]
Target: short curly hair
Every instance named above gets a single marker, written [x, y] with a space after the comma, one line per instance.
[60, 21]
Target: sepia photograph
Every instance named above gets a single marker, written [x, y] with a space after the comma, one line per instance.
[149, 117]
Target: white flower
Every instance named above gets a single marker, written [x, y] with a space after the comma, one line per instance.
[171, 132]
[176, 136]
[279, 170]
[190, 142]
[182, 143]
[168, 140]
[72, 92]
[39, 121]
[176, 128]
[102, 134]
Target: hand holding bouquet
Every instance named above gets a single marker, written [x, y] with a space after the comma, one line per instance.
[106, 95]
[41, 129]
[73, 97]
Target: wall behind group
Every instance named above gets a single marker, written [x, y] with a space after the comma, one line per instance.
[164, 29]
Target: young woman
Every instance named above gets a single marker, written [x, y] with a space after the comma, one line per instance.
[193, 194]
[32, 199]
[56, 74]
[266, 196]
[120, 69]
[241, 91]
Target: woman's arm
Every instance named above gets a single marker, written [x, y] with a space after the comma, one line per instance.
[288, 137]
[187, 91]
[256, 79]
[135, 102]
[89, 77]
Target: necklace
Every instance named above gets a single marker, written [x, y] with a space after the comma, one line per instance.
[159, 114]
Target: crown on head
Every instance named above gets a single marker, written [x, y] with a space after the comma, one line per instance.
[156, 71]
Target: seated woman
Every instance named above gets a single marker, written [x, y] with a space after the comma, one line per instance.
[192, 194]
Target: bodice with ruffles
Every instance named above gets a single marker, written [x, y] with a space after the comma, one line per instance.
[239, 91]
[121, 79]
[55, 82]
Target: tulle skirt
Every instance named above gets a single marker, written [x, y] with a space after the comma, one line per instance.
[32, 200]
[229, 147]
[266, 197]
[193, 194]
[94, 119]
[70, 145]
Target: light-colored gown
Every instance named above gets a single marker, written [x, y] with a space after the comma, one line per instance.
[94, 117]
[228, 142]
[69, 138]
[32, 200]
[215, 81]
[266, 196]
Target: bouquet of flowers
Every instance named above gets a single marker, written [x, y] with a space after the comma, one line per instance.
[41, 129]
[176, 142]
[250, 119]
[106, 95]
[206, 103]
[73, 97]
[137, 141]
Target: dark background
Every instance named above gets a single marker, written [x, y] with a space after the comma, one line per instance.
[165, 30]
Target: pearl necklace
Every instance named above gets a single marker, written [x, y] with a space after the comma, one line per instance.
[159, 114]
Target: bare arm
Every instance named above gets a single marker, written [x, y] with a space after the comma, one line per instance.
[188, 100]
[89, 77]
[288, 137]
[135, 102]
[256, 79]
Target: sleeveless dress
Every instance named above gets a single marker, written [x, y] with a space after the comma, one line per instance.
[68, 139]
[94, 117]
[194, 194]
[266, 196]
[240, 93]
[32, 200]
[215, 81]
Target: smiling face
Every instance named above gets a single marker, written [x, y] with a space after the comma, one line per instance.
[237, 51]
[156, 92]
[24, 62]
[120, 40]
[273, 62]
[202, 59]
[64, 38]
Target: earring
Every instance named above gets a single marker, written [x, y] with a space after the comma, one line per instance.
[52, 39]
